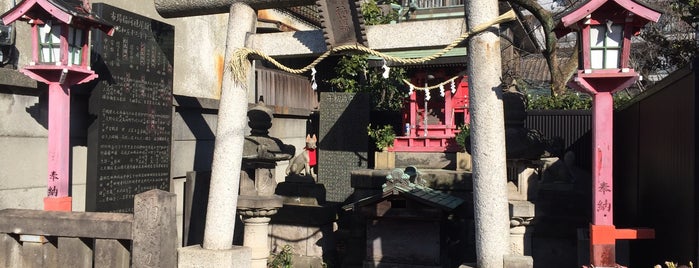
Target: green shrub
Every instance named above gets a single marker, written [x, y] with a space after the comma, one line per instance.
[382, 136]
[281, 259]
[568, 101]
[463, 136]
[674, 265]
[374, 15]
[353, 73]
[571, 101]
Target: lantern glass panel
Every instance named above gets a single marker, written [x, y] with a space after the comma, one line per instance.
[612, 59]
[596, 59]
[614, 36]
[605, 45]
[75, 46]
[596, 39]
[49, 43]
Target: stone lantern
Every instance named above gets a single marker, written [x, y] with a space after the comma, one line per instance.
[257, 201]
[60, 58]
[605, 29]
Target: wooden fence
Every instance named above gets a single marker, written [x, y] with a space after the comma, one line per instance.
[573, 126]
[147, 238]
[282, 89]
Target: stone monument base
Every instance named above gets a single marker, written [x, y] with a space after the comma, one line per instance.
[306, 261]
[377, 264]
[509, 261]
[305, 222]
[310, 230]
[426, 160]
[196, 256]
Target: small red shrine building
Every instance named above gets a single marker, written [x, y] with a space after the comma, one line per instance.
[433, 129]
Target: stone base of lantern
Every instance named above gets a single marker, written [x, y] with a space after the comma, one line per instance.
[255, 237]
[521, 240]
[257, 212]
[522, 214]
[196, 256]
[508, 261]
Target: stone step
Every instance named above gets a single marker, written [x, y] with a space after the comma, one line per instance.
[426, 160]
[439, 143]
[438, 179]
[433, 160]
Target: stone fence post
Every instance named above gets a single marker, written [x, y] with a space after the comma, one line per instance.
[154, 230]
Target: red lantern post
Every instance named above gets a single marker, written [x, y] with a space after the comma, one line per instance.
[60, 58]
[606, 28]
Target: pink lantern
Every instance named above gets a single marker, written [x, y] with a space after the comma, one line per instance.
[605, 29]
[60, 58]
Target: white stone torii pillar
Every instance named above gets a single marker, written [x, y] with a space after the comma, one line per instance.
[487, 138]
[230, 133]
[218, 249]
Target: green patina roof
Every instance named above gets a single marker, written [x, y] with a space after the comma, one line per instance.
[403, 186]
[410, 54]
[429, 196]
[456, 56]
[456, 52]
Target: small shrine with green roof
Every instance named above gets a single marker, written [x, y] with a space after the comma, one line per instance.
[404, 222]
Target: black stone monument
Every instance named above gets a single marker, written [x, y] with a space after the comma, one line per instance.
[343, 141]
[129, 140]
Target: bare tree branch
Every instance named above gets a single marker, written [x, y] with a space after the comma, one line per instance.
[560, 73]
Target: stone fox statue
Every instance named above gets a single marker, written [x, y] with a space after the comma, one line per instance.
[303, 163]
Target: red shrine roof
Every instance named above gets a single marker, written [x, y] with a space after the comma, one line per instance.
[67, 11]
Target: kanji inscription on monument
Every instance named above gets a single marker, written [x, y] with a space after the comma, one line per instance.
[342, 22]
[342, 143]
[129, 142]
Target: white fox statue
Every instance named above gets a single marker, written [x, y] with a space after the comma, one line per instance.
[303, 163]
